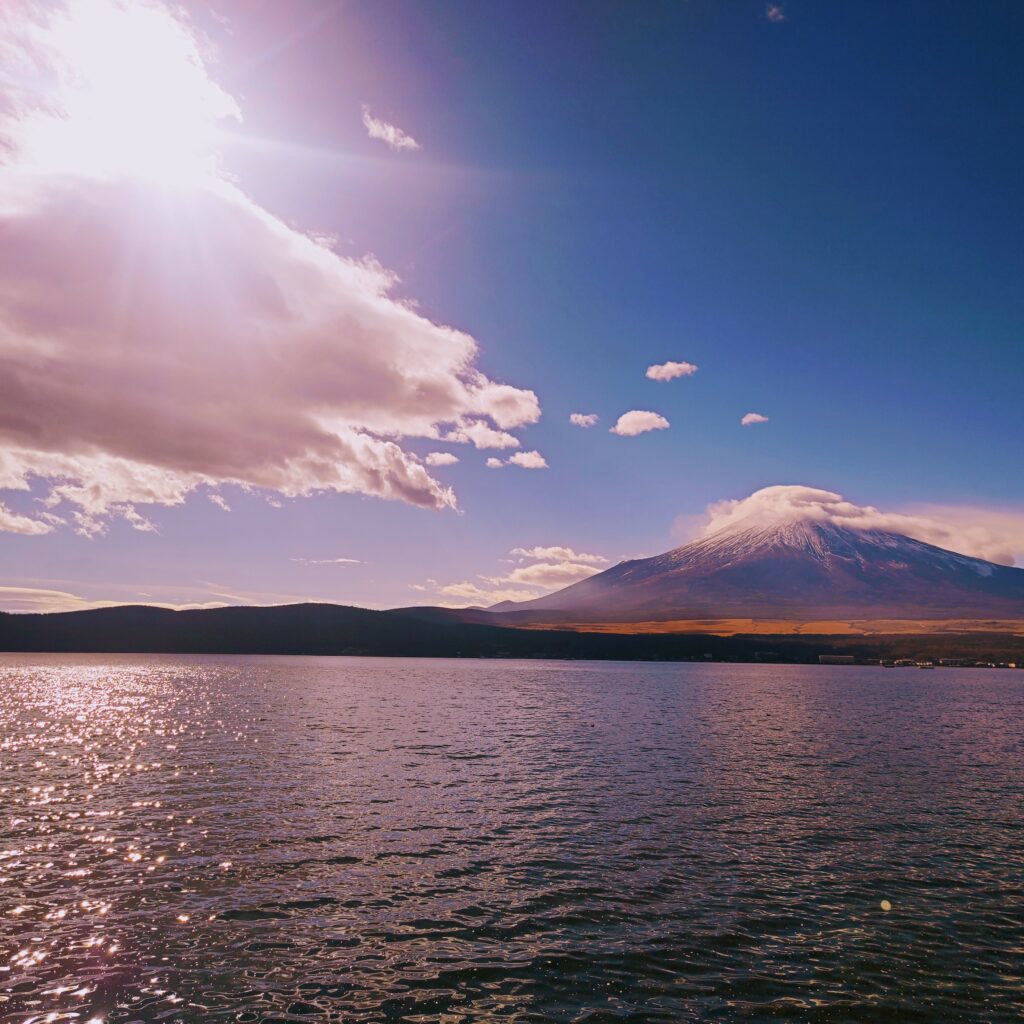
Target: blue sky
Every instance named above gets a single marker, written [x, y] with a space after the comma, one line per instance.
[823, 212]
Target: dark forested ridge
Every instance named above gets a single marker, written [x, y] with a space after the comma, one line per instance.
[325, 629]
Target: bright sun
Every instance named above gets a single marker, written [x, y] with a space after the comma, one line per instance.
[127, 94]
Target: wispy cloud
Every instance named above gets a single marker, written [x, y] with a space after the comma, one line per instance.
[638, 421]
[219, 501]
[750, 418]
[671, 370]
[328, 561]
[11, 522]
[390, 134]
[774, 12]
[562, 554]
[583, 419]
[551, 575]
[551, 568]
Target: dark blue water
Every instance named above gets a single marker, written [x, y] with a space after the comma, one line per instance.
[258, 839]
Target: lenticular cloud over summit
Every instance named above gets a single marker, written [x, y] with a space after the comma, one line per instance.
[157, 335]
[981, 533]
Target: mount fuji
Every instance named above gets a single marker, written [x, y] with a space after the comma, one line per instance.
[795, 569]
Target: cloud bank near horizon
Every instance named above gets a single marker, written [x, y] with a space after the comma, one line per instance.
[187, 335]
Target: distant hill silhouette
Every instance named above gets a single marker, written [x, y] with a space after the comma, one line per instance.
[326, 629]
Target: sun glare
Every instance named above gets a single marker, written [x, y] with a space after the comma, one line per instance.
[127, 94]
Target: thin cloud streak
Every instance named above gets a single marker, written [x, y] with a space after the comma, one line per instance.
[390, 134]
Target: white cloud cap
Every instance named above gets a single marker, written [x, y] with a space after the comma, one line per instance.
[639, 421]
[996, 535]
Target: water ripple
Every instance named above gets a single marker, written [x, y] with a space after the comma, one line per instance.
[286, 839]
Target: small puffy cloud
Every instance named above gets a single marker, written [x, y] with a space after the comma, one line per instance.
[390, 134]
[328, 561]
[670, 370]
[441, 459]
[562, 554]
[774, 13]
[528, 460]
[493, 463]
[638, 421]
[219, 501]
[11, 522]
[188, 337]
[996, 535]
[751, 418]
[583, 419]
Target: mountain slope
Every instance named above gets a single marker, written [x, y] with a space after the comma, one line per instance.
[796, 569]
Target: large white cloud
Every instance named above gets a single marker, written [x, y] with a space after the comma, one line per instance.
[993, 534]
[156, 337]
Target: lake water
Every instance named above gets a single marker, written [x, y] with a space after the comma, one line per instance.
[258, 839]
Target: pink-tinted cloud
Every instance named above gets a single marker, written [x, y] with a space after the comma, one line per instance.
[528, 460]
[639, 421]
[387, 133]
[441, 459]
[481, 435]
[562, 554]
[551, 575]
[583, 419]
[670, 371]
[552, 568]
[750, 418]
[493, 463]
[774, 13]
[11, 522]
[156, 338]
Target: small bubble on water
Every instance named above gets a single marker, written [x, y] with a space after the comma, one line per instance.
[885, 905]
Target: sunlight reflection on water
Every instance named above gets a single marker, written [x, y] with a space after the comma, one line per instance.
[255, 839]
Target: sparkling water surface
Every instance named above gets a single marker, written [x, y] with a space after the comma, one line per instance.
[345, 839]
